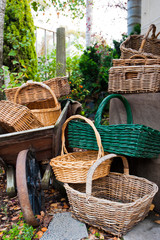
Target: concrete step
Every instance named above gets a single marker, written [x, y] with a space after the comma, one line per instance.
[64, 227]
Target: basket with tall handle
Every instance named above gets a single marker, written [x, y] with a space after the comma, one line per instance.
[114, 203]
[73, 167]
[47, 110]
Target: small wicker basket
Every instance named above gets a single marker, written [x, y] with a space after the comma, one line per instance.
[46, 111]
[114, 203]
[15, 117]
[134, 79]
[141, 44]
[58, 85]
[73, 167]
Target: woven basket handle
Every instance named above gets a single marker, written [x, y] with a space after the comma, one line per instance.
[97, 163]
[30, 83]
[153, 36]
[135, 56]
[98, 116]
[100, 148]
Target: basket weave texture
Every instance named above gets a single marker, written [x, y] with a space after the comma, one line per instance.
[46, 111]
[134, 79]
[135, 62]
[73, 167]
[58, 85]
[129, 139]
[15, 117]
[114, 203]
[135, 44]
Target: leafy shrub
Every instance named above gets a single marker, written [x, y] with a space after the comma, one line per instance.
[78, 92]
[19, 39]
[94, 66]
[21, 231]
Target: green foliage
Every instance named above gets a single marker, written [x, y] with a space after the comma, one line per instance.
[21, 231]
[136, 29]
[78, 92]
[75, 7]
[117, 51]
[46, 67]
[94, 65]
[19, 40]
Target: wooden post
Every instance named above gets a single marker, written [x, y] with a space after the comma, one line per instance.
[60, 52]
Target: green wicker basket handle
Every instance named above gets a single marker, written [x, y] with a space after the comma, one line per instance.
[100, 148]
[98, 116]
[29, 83]
[152, 28]
[97, 163]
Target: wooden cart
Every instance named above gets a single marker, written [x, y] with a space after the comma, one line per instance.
[26, 153]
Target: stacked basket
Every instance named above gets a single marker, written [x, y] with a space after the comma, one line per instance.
[138, 70]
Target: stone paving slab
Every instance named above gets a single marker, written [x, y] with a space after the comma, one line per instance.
[64, 227]
[145, 230]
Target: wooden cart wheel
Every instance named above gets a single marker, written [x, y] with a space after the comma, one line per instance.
[28, 179]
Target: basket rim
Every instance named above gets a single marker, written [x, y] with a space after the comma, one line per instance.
[101, 200]
[58, 159]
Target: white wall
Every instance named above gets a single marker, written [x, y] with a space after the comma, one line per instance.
[150, 14]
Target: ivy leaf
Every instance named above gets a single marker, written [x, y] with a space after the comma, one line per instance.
[12, 53]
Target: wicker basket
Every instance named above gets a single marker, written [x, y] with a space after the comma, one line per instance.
[58, 85]
[135, 44]
[46, 111]
[114, 203]
[135, 60]
[129, 139]
[15, 117]
[73, 167]
[134, 79]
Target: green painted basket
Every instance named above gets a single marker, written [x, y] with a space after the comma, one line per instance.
[129, 139]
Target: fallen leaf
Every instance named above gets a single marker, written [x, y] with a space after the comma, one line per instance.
[157, 221]
[65, 206]
[44, 229]
[152, 206]
[1, 234]
[15, 218]
[92, 230]
[3, 229]
[42, 213]
[4, 218]
[39, 234]
[156, 214]
[54, 205]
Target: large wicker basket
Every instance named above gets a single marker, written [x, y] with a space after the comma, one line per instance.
[135, 44]
[15, 117]
[114, 203]
[48, 110]
[129, 139]
[58, 85]
[134, 79]
[73, 167]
